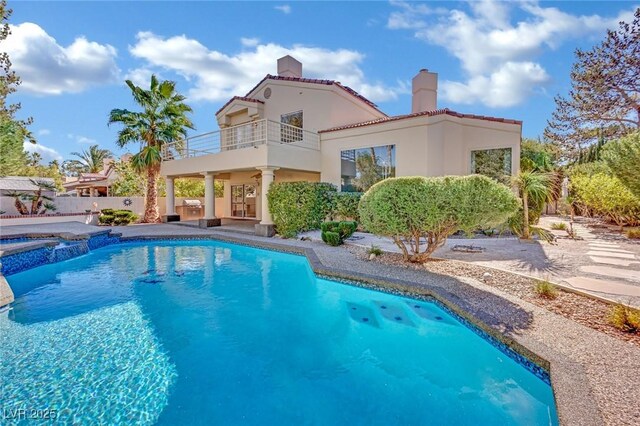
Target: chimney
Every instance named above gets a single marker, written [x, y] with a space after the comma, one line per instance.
[425, 91]
[289, 67]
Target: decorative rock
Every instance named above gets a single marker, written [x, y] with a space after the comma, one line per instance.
[486, 276]
[372, 256]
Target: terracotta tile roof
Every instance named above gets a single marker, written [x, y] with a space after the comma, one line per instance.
[239, 98]
[444, 111]
[347, 89]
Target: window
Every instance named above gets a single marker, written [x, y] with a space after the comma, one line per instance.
[291, 128]
[363, 167]
[495, 163]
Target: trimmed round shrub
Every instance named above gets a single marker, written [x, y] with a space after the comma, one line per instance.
[419, 213]
[117, 217]
[332, 238]
[299, 206]
[343, 230]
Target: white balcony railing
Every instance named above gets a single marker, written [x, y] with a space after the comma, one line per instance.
[247, 135]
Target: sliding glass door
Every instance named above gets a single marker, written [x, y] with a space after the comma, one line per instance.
[243, 201]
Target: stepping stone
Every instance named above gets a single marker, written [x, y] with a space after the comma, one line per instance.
[610, 254]
[627, 274]
[611, 261]
[602, 286]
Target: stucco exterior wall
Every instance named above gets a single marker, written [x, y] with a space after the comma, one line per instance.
[425, 146]
[323, 106]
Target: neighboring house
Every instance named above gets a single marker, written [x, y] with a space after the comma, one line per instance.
[92, 184]
[290, 128]
[23, 184]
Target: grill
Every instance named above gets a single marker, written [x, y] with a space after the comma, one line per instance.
[190, 209]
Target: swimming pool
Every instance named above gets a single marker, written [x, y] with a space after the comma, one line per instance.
[204, 332]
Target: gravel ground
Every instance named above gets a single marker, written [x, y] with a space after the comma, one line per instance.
[584, 310]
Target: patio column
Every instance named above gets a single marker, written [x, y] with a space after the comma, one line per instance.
[265, 228]
[210, 218]
[170, 202]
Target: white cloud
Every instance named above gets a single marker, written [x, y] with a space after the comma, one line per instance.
[48, 68]
[284, 8]
[410, 15]
[495, 51]
[249, 42]
[48, 154]
[81, 139]
[141, 76]
[44, 132]
[216, 76]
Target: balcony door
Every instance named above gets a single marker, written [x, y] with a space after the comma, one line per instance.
[243, 201]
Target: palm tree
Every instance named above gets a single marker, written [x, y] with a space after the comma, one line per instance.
[163, 119]
[91, 160]
[535, 188]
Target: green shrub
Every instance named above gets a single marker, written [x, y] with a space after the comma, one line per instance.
[559, 226]
[342, 230]
[625, 318]
[375, 250]
[117, 217]
[623, 157]
[546, 290]
[605, 195]
[332, 238]
[345, 205]
[299, 206]
[419, 213]
[633, 234]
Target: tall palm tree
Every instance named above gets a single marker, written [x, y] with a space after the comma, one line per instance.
[91, 160]
[163, 119]
[535, 188]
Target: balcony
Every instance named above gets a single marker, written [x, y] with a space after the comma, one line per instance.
[248, 135]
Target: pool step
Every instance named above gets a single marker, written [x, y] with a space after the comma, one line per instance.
[428, 312]
[362, 314]
[394, 313]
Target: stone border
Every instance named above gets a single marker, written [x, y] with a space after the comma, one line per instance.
[574, 401]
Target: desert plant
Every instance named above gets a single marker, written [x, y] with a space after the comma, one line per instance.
[633, 234]
[419, 213]
[40, 203]
[374, 250]
[559, 226]
[299, 206]
[535, 188]
[342, 231]
[625, 318]
[546, 290]
[88, 161]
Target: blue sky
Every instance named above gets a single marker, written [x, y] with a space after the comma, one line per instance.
[494, 58]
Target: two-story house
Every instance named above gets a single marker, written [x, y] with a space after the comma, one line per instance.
[291, 128]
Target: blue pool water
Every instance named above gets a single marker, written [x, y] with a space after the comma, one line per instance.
[213, 333]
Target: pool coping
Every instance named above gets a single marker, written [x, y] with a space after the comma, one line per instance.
[571, 388]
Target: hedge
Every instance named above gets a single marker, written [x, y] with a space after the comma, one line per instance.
[419, 213]
[345, 205]
[299, 206]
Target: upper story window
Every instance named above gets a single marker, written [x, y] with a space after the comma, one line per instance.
[363, 167]
[291, 131]
[495, 163]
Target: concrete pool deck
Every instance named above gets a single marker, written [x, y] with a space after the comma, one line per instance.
[594, 376]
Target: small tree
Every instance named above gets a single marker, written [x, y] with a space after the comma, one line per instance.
[604, 100]
[419, 213]
[89, 161]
